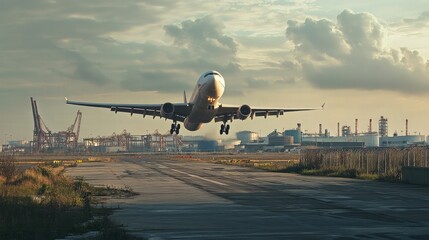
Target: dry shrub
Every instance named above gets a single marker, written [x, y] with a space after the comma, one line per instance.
[57, 170]
[2, 180]
[8, 169]
[34, 176]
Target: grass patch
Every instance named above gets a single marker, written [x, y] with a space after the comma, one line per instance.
[291, 167]
[347, 173]
[42, 203]
[382, 178]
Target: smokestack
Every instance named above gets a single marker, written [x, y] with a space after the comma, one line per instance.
[298, 126]
[320, 129]
[370, 126]
[338, 129]
[406, 127]
[356, 126]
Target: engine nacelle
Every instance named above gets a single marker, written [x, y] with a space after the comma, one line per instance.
[167, 110]
[244, 112]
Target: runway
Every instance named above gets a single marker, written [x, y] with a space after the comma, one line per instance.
[188, 199]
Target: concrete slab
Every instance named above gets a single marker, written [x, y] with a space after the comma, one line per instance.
[185, 199]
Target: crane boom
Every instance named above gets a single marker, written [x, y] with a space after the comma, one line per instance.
[79, 119]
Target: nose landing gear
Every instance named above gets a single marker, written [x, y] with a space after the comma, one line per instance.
[224, 128]
[175, 128]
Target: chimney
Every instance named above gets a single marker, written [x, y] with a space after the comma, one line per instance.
[338, 129]
[320, 129]
[406, 127]
[356, 126]
[298, 126]
[370, 126]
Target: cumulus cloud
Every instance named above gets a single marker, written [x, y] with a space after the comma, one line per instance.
[204, 38]
[86, 44]
[202, 32]
[197, 45]
[351, 54]
[49, 43]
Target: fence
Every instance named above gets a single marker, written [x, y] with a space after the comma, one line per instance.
[381, 161]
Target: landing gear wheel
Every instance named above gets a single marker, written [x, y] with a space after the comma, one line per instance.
[224, 128]
[174, 128]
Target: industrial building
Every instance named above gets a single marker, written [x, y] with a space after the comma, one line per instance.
[125, 142]
[20, 146]
[46, 141]
[247, 137]
[156, 142]
[402, 141]
[365, 139]
[276, 138]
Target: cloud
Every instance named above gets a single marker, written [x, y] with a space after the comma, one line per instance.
[350, 54]
[317, 38]
[203, 38]
[51, 43]
[197, 46]
[133, 45]
[414, 25]
[88, 72]
[155, 81]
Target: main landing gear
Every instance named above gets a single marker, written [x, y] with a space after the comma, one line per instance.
[224, 128]
[174, 128]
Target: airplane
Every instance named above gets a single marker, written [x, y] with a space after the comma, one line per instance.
[203, 107]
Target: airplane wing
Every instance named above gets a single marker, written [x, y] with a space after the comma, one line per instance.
[229, 112]
[181, 110]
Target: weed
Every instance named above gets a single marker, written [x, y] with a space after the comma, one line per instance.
[42, 203]
[8, 169]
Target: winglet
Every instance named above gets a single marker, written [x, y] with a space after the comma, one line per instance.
[323, 106]
[185, 100]
[67, 101]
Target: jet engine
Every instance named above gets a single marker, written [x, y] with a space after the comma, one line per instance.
[244, 112]
[167, 110]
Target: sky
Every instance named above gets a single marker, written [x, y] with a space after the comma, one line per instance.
[363, 59]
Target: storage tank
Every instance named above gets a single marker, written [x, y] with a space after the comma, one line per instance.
[295, 133]
[280, 140]
[370, 140]
[247, 137]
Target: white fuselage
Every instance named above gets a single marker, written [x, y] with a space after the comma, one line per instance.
[205, 100]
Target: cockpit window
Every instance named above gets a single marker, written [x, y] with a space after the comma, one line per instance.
[211, 73]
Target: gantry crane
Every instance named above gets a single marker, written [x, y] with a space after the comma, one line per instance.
[45, 140]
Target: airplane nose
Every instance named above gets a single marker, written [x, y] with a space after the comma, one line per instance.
[215, 86]
[218, 85]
